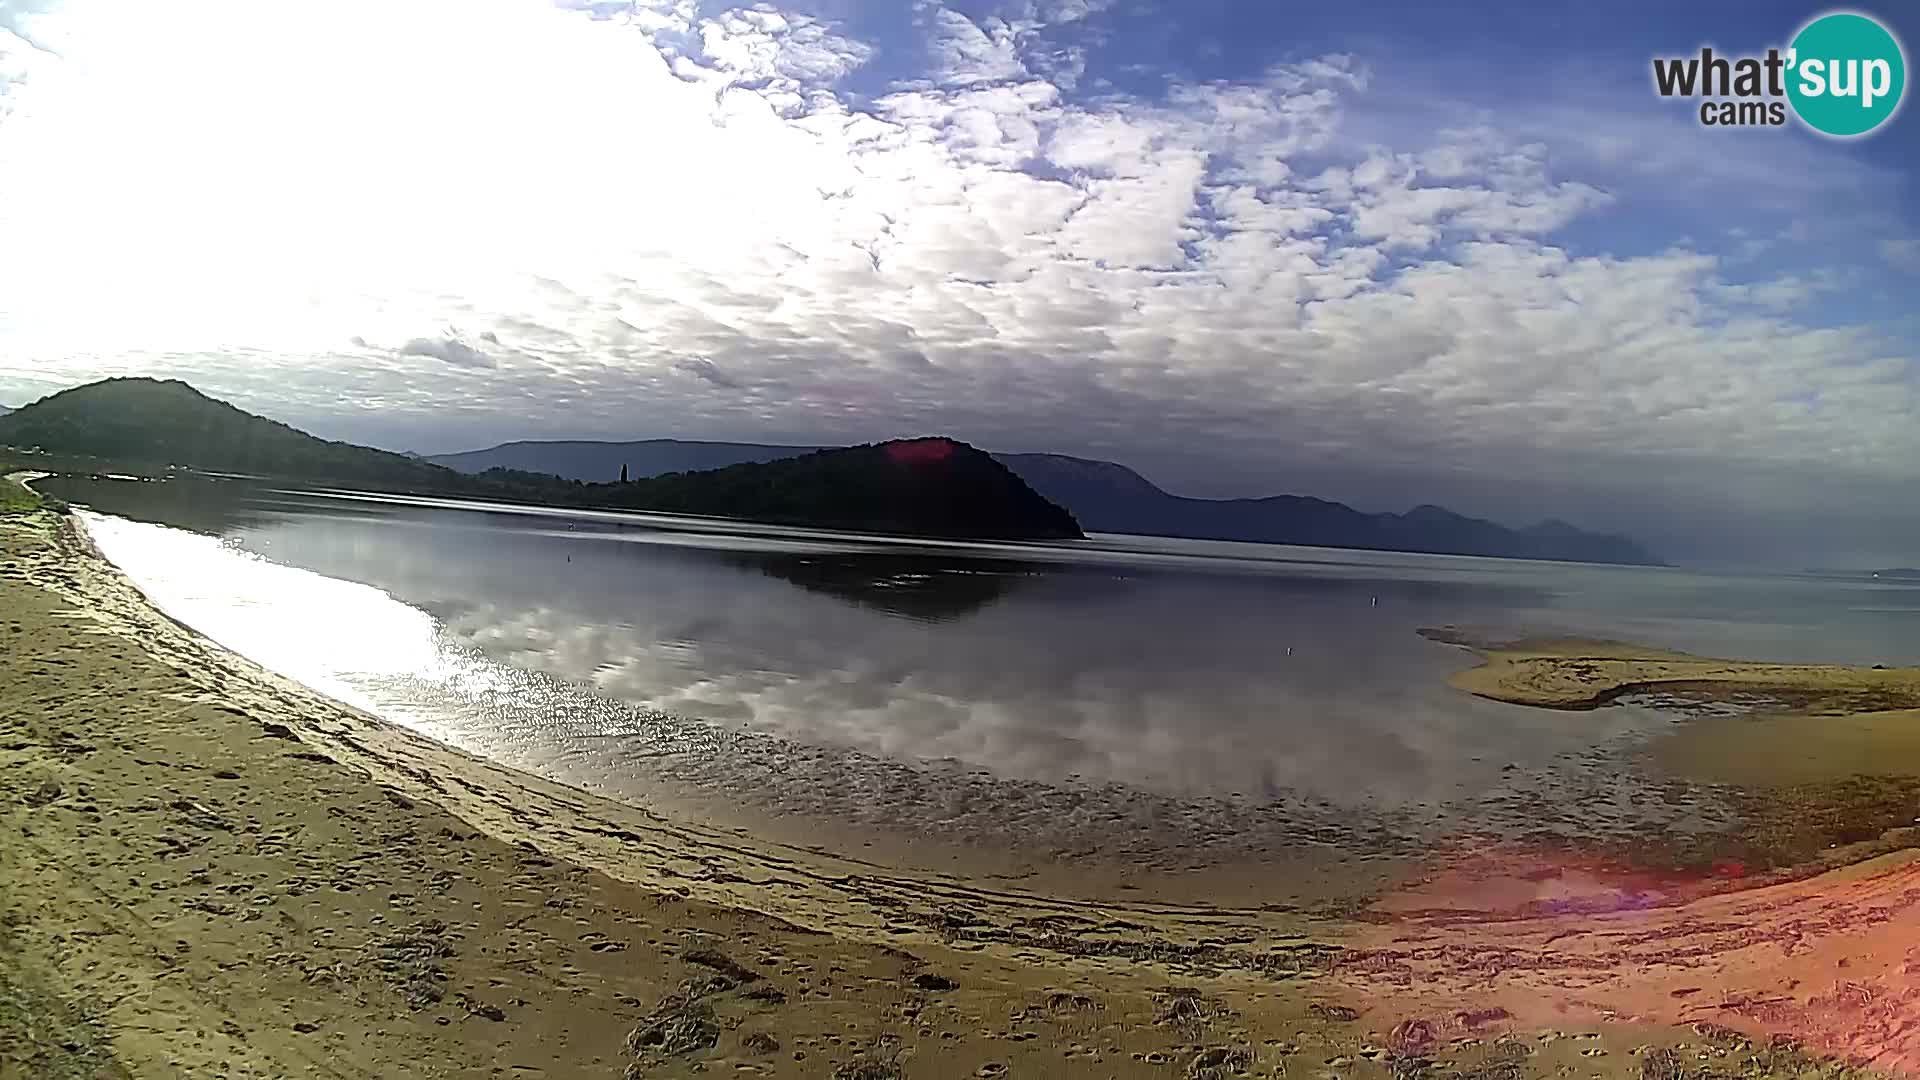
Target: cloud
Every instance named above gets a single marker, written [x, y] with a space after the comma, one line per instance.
[1902, 252]
[965, 53]
[1331, 266]
[706, 371]
[457, 353]
[24, 50]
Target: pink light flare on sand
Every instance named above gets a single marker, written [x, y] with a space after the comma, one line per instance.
[1829, 963]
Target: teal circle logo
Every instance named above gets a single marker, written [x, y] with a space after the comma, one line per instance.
[1846, 74]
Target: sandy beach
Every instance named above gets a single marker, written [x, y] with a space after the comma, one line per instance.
[1579, 674]
[208, 871]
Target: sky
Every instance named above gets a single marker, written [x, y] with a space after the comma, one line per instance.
[1389, 253]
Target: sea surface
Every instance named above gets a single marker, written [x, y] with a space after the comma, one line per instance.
[1168, 700]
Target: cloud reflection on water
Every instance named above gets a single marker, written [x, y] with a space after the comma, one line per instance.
[1297, 682]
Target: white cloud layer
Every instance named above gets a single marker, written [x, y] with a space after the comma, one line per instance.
[635, 219]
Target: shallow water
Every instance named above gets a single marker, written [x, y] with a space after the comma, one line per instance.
[1176, 702]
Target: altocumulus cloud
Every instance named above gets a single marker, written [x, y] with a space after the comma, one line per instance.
[707, 371]
[457, 353]
[1311, 274]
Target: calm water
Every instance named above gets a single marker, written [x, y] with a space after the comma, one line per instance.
[1185, 696]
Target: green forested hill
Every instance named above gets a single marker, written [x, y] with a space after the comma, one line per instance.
[151, 422]
[928, 487]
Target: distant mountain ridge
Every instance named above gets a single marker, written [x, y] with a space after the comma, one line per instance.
[1105, 496]
[1108, 497]
[599, 462]
[925, 487]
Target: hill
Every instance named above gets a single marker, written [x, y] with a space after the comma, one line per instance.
[1106, 497]
[929, 487]
[933, 486]
[1109, 497]
[153, 422]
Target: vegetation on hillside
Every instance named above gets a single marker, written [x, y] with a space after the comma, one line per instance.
[1106, 496]
[924, 486]
[927, 487]
[150, 422]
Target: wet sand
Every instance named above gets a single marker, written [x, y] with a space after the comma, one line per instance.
[1582, 674]
[1793, 749]
[1818, 950]
[208, 871]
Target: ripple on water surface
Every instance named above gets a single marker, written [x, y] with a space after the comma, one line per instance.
[543, 704]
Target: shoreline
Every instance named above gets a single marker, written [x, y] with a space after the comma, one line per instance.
[196, 922]
[1579, 675]
[135, 726]
[406, 760]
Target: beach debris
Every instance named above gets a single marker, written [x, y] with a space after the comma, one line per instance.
[1336, 1014]
[1408, 1068]
[716, 961]
[676, 1029]
[1409, 1049]
[933, 983]
[1662, 1064]
[481, 1009]
[1506, 1060]
[1219, 1062]
[1477, 1018]
[681, 1024]
[766, 994]
[42, 795]
[1061, 1001]
[1186, 1009]
[880, 1061]
[1411, 1038]
[412, 960]
[759, 1043]
[199, 816]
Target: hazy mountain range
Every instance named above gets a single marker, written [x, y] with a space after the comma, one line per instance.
[921, 487]
[599, 462]
[1108, 497]
[930, 487]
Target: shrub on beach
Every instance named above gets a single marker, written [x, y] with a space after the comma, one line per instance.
[18, 499]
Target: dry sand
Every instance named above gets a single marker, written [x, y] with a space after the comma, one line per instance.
[206, 871]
